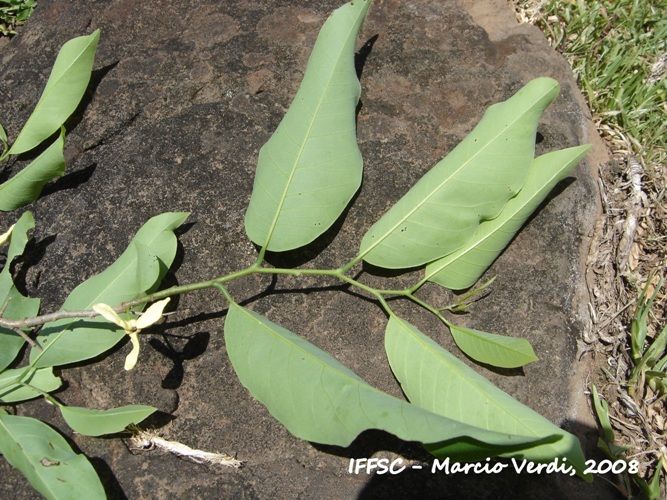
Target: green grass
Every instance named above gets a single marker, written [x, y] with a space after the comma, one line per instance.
[618, 52]
[14, 13]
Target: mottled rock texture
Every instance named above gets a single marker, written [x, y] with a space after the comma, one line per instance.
[183, 96]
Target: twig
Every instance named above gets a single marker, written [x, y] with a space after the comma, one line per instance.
[47, 318]
[25, 337]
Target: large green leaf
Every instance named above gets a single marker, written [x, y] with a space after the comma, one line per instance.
[46, 460]
[63, 92]
[99, 422]
[435, 380]
[462, 268]
[137, 271]
[16, 305]
[26, 186]
[471, 184]
[319, 399]
[42, 379]
[492, 349]
[311, 167]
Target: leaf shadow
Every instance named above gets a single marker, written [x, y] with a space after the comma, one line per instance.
[169, 279]
[96, 77]
[346, 288]
[555, 192]
[195, 346]
[362, 54]
[110, 483]
[71, 180]
[371, 441]
[73, 120]
[359, 64]
[34, 252]
[388, 273]
[505, 372]
[75, 179]
[6, 169]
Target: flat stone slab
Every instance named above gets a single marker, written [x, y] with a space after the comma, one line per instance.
[182, 99]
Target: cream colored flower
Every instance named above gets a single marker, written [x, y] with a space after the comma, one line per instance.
[133, 326]
[5, 236]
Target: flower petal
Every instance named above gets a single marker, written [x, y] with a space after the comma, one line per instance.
[5, 236]
[131, 359]
[111, 315]
[152, 314]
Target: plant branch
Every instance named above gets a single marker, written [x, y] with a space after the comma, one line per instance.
[18, 324]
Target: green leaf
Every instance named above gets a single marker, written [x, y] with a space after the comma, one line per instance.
[651, 489]
[643, 355]
[26, 186]
[17, 306]
[311, 167]
[42, 379]
[319, 399]
[656, 380]
[137, 271]
[492, 349]
[435, 380]
[661, 364]
[608, 444]
[46, 460]
[99, 422]
[471, 184]
[462, 268]
[602, 411]
[63, 92]
[656, 350]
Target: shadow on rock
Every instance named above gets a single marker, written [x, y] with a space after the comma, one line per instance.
[194, 347]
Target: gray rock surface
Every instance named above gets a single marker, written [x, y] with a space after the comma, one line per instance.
[183, 96]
